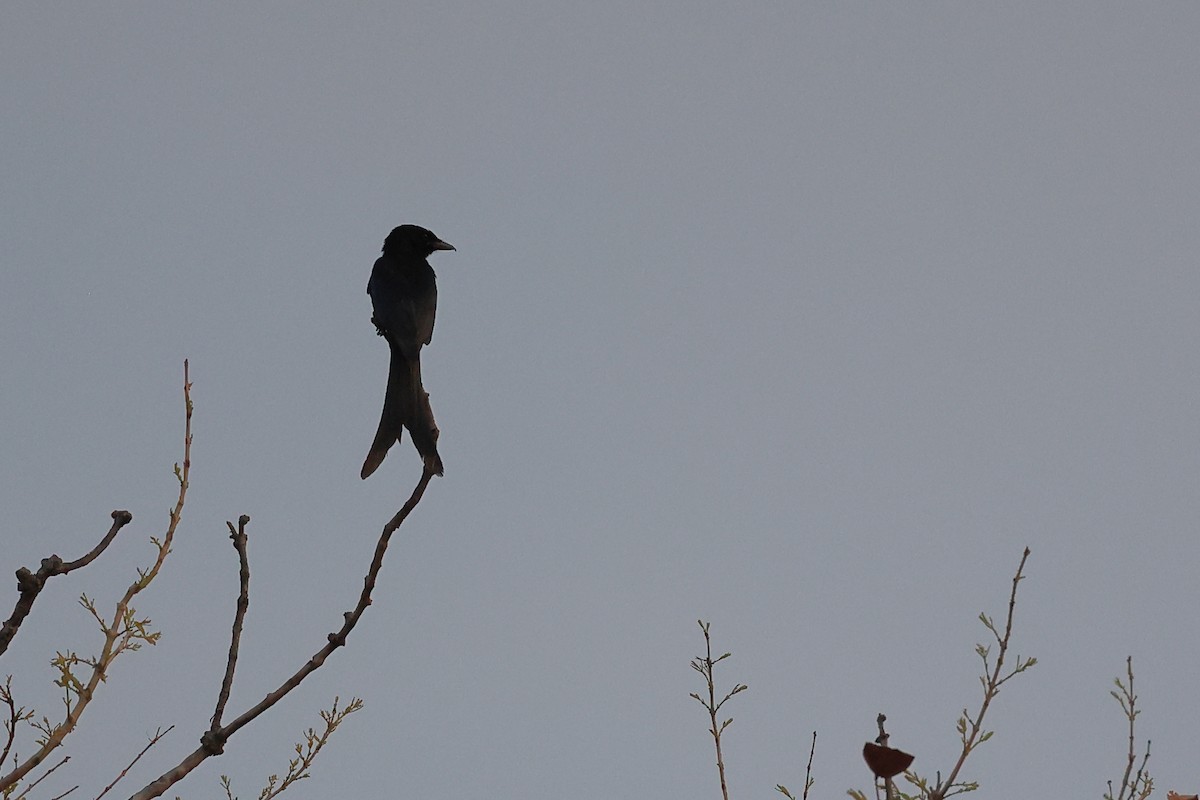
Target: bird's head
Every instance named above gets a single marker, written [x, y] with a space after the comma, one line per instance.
[413, 240]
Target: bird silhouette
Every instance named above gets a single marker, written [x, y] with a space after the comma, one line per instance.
[403, 290]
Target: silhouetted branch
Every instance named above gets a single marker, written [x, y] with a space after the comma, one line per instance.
[808, 778]
[239, 538]
[64, 794]
[213, 741]
[30, 583]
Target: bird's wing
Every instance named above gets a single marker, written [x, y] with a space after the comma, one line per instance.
[396, 312]
[424, 310]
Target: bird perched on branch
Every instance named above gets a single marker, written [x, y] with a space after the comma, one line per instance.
[403, 290]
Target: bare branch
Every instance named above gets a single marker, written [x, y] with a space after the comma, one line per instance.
[30, 583]
[213, 741]
[239, 538]
[808, 778]
[64, 794]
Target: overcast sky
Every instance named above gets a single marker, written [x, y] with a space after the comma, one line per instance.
[804, 319]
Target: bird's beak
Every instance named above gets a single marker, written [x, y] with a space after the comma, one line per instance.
[440, 245]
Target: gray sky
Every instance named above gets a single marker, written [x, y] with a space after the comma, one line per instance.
[804, 320]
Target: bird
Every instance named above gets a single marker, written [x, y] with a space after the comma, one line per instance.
[403, 291]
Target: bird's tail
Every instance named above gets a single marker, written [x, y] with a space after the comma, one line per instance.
[422, 427]
[405, 405]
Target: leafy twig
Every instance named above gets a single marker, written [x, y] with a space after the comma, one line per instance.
[704, 665]
[970, 728]
[1139, 785]
[307, 752]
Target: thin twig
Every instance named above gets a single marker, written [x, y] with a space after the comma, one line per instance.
[1131, 712]
[808, 780]
[64, 794]
[213, 742]
[14, 717]
[158, 735]
[30, 583]
[50, 771]
[239, 538]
